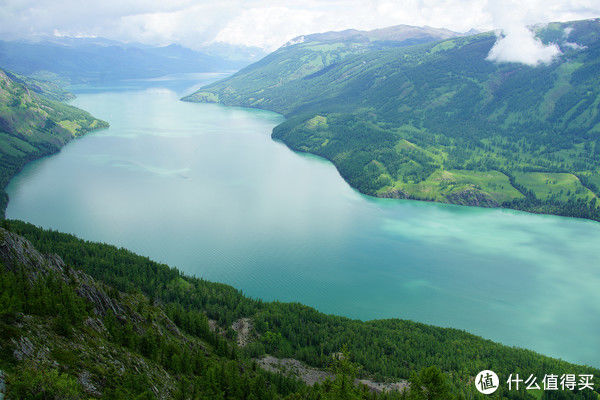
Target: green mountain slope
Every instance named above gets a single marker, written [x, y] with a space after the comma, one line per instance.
[439, 122]
[116, 325]
[33, 125]
[64, 335]
[306, 58]
[46, 88]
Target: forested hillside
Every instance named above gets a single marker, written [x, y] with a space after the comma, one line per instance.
[32, 125]
[306, 58]
[109, 323]
[439, 122]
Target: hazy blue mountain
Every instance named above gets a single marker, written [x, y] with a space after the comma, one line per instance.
[234, 52]
[80, 60]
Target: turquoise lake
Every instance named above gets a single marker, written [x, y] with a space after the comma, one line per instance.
[204, 188]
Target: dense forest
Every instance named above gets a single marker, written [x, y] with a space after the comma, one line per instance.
[438, 121]
[34, 124]
[131, 326]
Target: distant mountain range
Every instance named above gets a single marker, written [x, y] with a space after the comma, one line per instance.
[82, 60]
[394, 35]
[437, 120]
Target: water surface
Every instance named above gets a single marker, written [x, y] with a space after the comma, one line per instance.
[204, 188]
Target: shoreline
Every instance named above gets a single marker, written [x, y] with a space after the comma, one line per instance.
[4, 200]
[25, 229]
[370, 197]
[381, 196]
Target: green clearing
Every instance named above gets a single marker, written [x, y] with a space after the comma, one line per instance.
[546, 185]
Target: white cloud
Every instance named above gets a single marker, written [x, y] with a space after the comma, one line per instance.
[575, 46]
[266, 23]
[265, 27]
[518, 44]
[567, 31]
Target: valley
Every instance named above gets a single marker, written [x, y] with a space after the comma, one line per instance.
[380, 214]
[229, 204]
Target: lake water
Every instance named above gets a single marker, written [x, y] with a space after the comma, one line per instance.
[204, 188]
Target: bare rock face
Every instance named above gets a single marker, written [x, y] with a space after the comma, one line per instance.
[213, 325]
[85, 380]
[244, 329]
[95, 295]
[471, 196]
[294, 368]
[32, 345]
[2, 385]
[96, 324]
[16, 253]
[24, 349]
[394, 194]
[310, 375]
[216, 328]
[381, 387]
[170, 325]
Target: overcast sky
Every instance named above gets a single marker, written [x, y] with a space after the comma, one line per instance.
[267, 24]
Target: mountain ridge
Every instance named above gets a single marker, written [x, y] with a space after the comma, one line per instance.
[396, 33]
[84, 319]
[68, 60]
[438, 121]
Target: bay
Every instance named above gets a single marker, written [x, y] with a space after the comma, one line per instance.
[204, 188]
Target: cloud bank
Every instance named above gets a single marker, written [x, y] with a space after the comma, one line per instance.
[518, 44]
[271, 23]
[513, 18]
